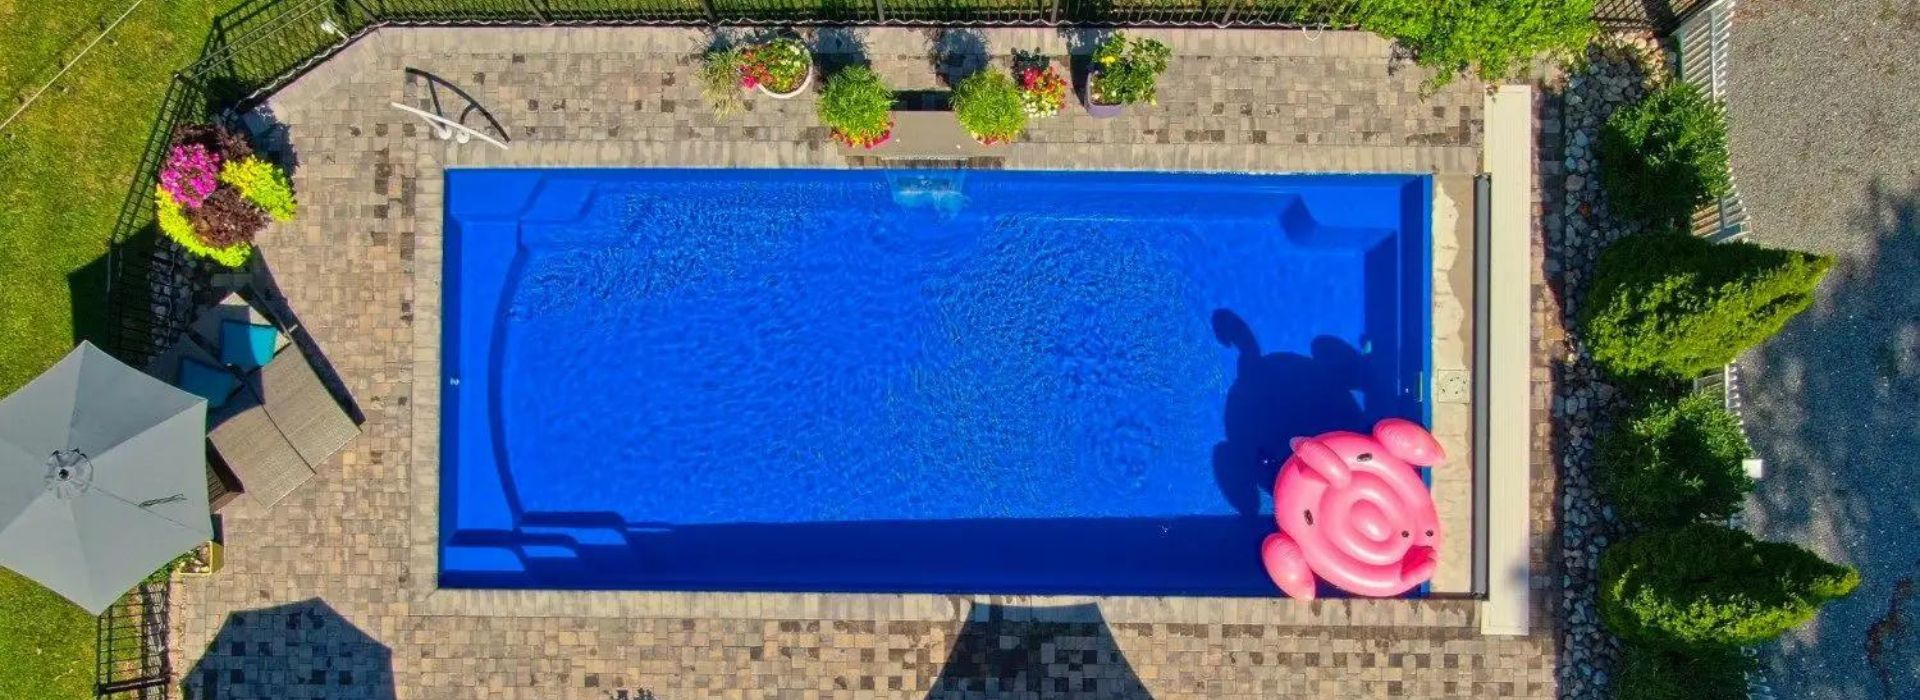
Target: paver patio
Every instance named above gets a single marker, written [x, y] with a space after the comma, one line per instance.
[360, 270]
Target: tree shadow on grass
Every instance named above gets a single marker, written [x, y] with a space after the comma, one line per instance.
[299, 650]
[1833, 405]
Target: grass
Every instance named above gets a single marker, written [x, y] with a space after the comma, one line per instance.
[65, 168]
[46, 645]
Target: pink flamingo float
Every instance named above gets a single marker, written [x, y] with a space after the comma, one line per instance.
[1353, 511]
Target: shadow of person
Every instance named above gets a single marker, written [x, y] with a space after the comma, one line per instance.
[1005, 651]
[1278, 397]
[303, 649]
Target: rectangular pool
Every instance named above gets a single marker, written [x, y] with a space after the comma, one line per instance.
[907, 381]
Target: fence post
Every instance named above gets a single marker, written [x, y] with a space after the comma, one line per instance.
[1053, 12]
[539, 13]
[880, 10]
[713, 15]
[372, 16]
[1226, 18]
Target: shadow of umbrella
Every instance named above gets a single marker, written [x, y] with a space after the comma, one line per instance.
[1005, 651]
[299, 650]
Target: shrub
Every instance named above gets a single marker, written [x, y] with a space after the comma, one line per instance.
[221, 141]
[1673, 306]
[1654, 673]
[720, 82]
[780, 65]
[1706, 585]
[1493, 39]
[1127, 71]
[1676, 462]
[262, 183]
[1663, 157]
[175, 225]
[227, 219]
[990, 106]
[190, 174]
[857, 107]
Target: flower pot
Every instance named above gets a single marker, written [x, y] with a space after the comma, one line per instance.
[802, 87]
[208, 560]
[1100, 111]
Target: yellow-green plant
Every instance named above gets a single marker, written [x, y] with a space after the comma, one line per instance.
[262, 183]
[175, 225]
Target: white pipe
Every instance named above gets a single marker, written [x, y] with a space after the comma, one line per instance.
[447, 128]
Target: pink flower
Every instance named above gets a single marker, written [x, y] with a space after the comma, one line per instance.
[190, 174]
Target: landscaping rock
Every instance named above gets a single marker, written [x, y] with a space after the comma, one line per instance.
[1617, 71]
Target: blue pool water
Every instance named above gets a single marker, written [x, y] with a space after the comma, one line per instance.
[987, 382]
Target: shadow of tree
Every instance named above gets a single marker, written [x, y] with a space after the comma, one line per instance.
[1833, 406]
[835, 48]
[1025, 652]
[299, 650]
[955, 54]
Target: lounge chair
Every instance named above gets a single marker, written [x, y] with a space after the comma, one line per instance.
[271, 421]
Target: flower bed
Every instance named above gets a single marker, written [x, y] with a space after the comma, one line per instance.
[1042, 91]
[215, 195]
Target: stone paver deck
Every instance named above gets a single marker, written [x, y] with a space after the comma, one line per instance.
[360, 270]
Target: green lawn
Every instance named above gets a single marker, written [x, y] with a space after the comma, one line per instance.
[65, 167]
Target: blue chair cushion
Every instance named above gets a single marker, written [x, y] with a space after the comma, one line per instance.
[214, 384]
[247, 346]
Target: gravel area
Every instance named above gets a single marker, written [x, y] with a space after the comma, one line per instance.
[1825, 108]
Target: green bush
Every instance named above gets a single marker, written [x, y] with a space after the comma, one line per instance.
[1493, 39]
[857, 107]
[262, 183]
[1676, 462]
[1672, 306]
[174, 223]
[1665, 156]
[1706, 585]
[1655, 673]
[988, 104]
[1127, 71]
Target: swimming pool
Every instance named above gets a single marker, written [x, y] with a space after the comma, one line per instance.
[907, 381]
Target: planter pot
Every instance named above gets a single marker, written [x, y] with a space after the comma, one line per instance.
[1100, 111]
[1095, 109]
[211, 559]
[802, 87]
[1104, 110]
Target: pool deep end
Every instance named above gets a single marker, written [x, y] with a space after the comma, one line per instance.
[907, 381]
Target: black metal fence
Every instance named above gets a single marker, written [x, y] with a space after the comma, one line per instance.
[1660, 16]
[132, 661]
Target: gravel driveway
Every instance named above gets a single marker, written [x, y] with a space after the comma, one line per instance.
[1825, 107]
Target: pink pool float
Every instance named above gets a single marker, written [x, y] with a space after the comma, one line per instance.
[1352, 510]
